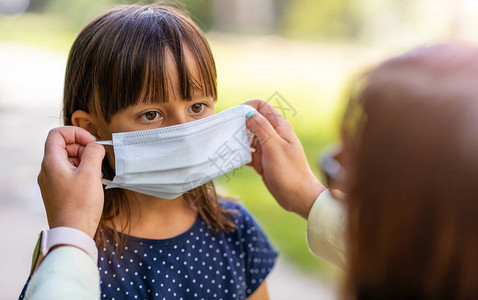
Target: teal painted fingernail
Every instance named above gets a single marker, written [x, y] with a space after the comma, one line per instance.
[250, 113]
[101, 174]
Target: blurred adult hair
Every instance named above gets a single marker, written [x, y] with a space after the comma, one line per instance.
[411, 138]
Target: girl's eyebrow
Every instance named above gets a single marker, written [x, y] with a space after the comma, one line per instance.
[205, 98]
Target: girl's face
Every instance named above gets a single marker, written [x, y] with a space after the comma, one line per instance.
[154, 115]
[143, 116]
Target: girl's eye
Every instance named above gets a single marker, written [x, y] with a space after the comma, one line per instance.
[196, 108]
[150, 115]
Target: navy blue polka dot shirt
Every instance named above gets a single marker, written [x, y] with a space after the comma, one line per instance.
[193, 265]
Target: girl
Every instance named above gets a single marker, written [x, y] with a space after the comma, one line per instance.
[143, 67]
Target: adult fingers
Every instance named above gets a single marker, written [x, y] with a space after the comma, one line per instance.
[59, 138]
[267, 110]
[74, 161]
[261, 128]
[75, 150]
[281, 125]
[92, 158]
[76, 135]
[256, 162]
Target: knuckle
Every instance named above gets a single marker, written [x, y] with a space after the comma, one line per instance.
[39, 178]
[54, 131]
[96, 149]
[258, 99]
[44, 165]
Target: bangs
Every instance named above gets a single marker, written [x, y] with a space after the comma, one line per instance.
[141, 57]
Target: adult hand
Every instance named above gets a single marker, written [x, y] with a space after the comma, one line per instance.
[280, 159]
[70, 179]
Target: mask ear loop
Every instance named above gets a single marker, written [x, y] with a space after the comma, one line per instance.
[106, 181]
[110, 142]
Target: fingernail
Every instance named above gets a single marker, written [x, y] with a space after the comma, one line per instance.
[93, 136]
[250, 113]
[101, 174]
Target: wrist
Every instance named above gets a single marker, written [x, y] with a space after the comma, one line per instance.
[63, 236]
[306, 199]
[88, 228]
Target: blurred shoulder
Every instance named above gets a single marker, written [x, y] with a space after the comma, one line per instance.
[233, 205]
[238, 212]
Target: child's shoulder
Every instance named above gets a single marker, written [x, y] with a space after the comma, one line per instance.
[239, 214]
[238, 211]
[230, 203]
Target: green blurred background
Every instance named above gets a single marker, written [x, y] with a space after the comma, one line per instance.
[295, 53]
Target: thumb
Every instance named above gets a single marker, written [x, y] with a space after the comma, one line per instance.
[261, 128]
[92, 158]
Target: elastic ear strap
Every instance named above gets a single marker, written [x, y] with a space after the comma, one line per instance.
[105, 142]
[106, 181]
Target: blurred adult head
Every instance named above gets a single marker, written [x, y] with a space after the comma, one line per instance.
[411, 142]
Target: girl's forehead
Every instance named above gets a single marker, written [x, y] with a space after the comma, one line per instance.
[190, 63]
[172, 78]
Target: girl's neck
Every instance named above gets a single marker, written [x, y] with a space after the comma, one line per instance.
[156, 218]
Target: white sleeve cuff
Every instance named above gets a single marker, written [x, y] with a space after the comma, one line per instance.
[66, 273]
[326, 229]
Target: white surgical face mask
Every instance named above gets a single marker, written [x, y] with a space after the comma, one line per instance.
[167, 162]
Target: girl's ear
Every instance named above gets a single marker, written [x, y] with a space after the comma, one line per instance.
[81, 118]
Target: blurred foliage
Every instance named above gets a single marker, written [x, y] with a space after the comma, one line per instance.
[78, 13]
[299, 17]
[323, 17]
[44, 31]
[201, 12]
[381, 21]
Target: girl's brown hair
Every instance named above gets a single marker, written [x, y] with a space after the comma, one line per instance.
[411, 137]
[119, 60]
